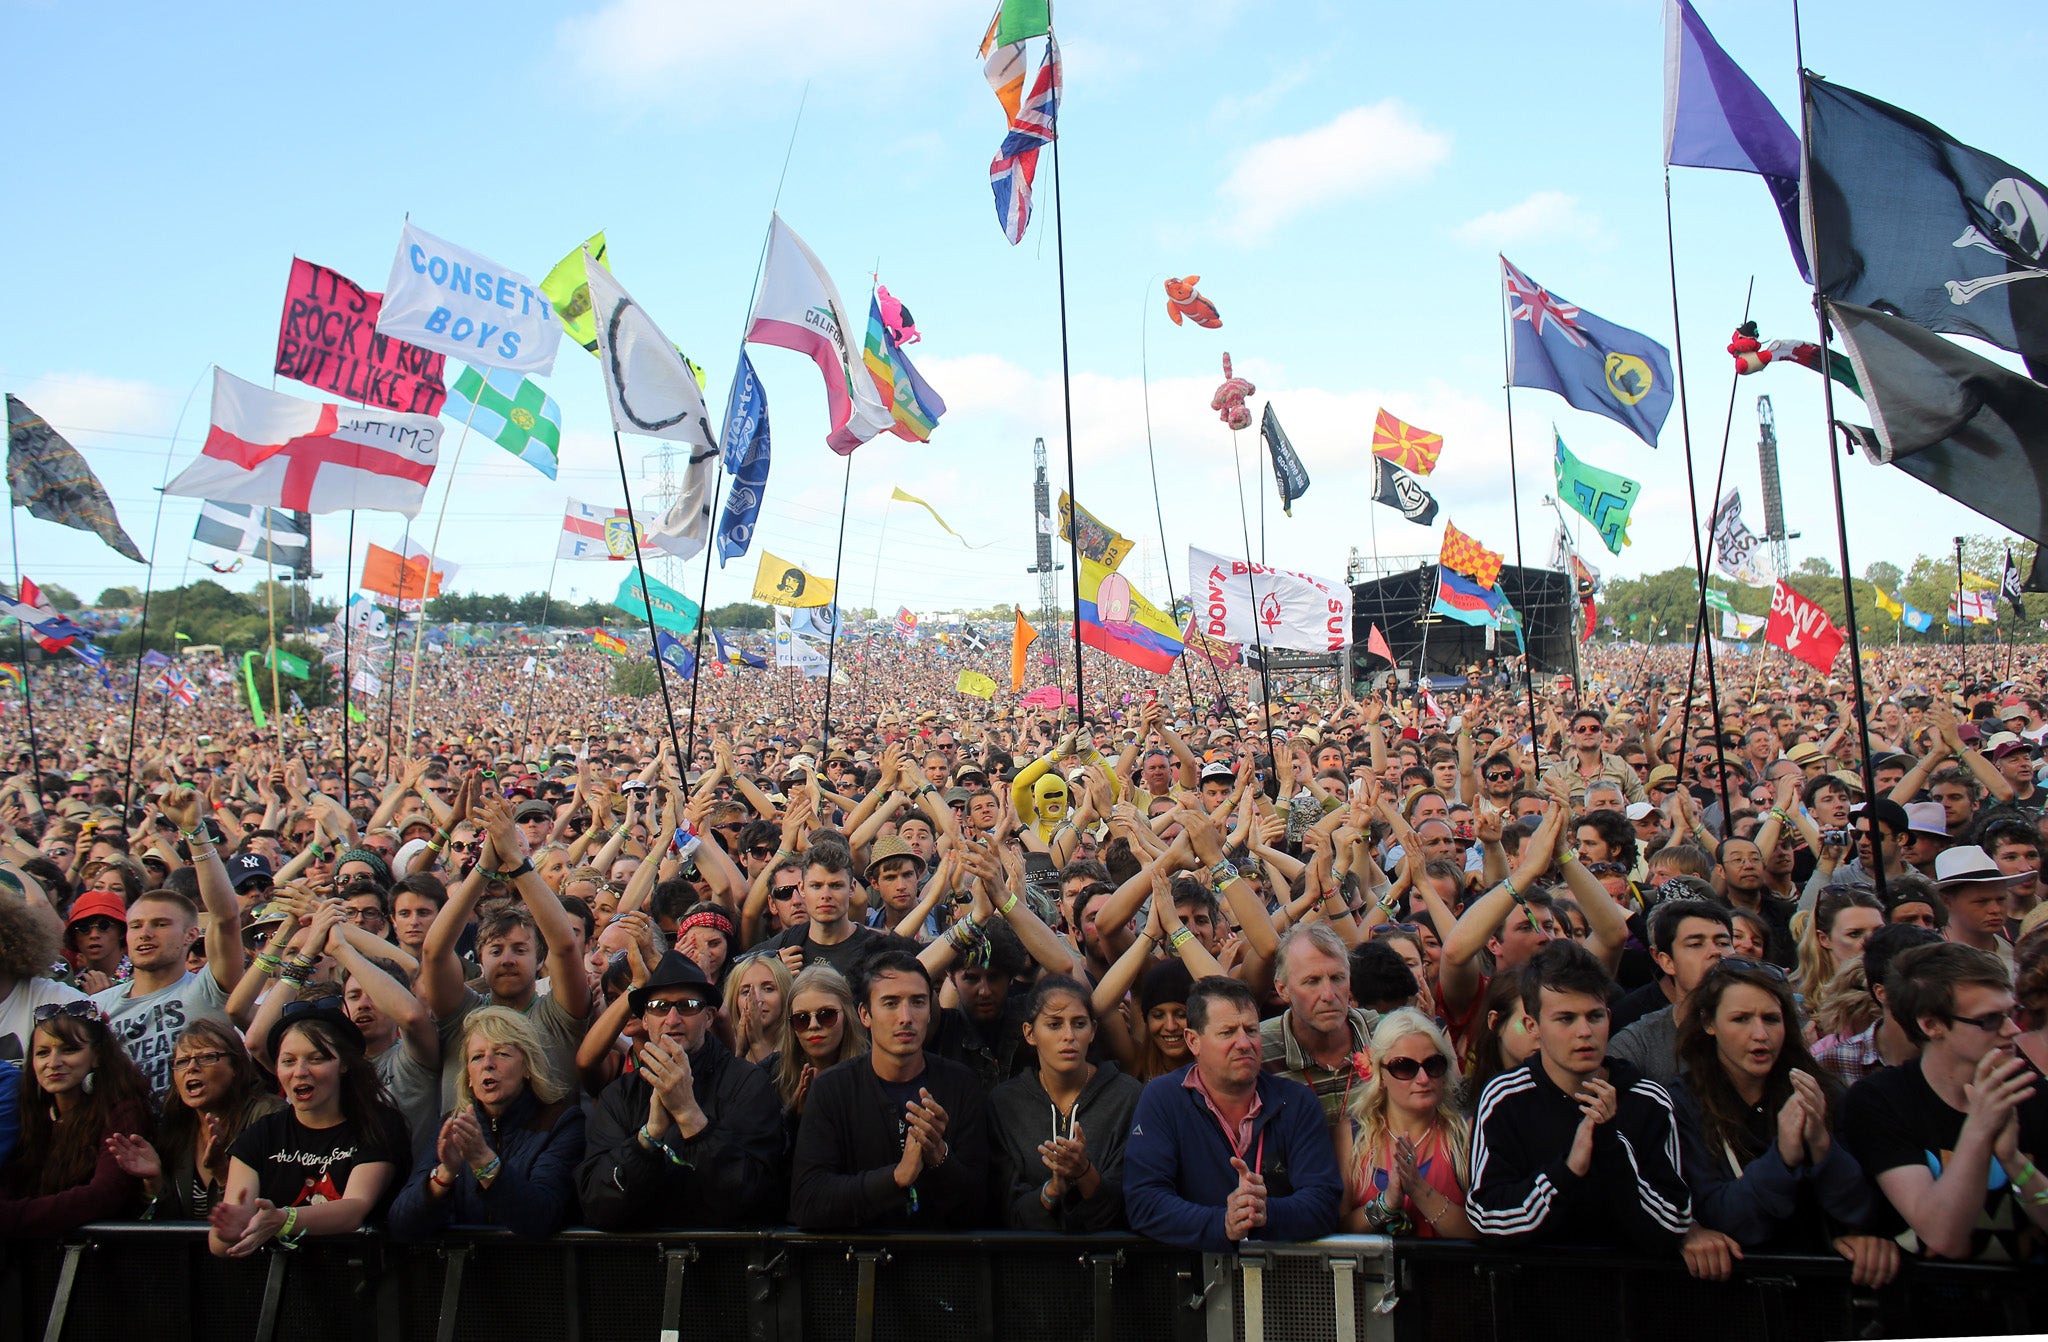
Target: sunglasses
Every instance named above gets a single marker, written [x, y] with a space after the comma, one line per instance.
[82, 1009]
[1404, 1069]
[682, 1006]
[824, 1018]
[1743, 964]
[782, 892]
[474, 845]
[761, 850]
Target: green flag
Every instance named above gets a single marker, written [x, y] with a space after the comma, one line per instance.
[1601, 497]
[672, 610]
[568, 288]
[1019, 20]
[255, 699]
[295, 667]
[356, 714]
[1718, 600]
[512, 412]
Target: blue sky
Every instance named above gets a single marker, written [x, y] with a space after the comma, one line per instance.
[1340, 175]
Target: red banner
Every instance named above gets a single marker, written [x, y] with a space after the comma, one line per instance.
[1802, 629]
[328, 338]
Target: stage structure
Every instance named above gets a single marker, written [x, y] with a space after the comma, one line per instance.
[1395, 592]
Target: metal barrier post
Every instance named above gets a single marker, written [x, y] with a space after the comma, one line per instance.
[1105, 1266]
[1216, 1302]
[674, 1260]
[1253, 1271]
[273, 1297]
[67, 1277]
[865, 1262]
[451, 1292]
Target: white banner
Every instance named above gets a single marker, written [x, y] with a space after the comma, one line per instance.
[793, 649]
[448, 298]
[1241, 602]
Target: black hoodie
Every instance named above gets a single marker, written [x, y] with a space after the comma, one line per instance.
[1021, 1116]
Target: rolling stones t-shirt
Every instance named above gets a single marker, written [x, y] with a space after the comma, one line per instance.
[298, 1166]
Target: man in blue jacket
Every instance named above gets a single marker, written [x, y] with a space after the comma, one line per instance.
[1220, 1150]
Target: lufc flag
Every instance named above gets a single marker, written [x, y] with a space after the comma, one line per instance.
[1594, 364]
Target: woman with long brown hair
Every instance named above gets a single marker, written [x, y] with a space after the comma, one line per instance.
[78, 1089]
[1755, 1121]
[216, 1092]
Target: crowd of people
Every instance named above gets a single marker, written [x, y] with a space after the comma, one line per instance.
[1182, 963]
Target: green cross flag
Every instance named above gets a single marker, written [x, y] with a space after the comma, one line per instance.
[288, 664]
[512, 412]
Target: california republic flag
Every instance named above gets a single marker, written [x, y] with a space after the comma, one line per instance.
[1241, 602]
[799, 308]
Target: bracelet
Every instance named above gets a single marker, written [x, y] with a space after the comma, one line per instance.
[487, 1171]
[1567, 857]
[1181, 937]
[288, 1233]
[1508, 884]
[269, 964]
[434, 1178]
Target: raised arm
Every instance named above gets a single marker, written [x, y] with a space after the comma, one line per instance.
[225, 958]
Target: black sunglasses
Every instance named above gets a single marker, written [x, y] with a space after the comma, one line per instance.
[1743, 964]
[1404, 1069]
[300, 1008]
[826, 1018]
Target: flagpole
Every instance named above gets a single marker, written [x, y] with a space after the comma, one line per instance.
[348, 566]
[1962, 620]
[419, 633]
[533, 689]
[1720, 475]
[391, 743]
[1692, 499]
[270, 604]
[703, 596]
[875, 581]
[148, 587]
[1827, 392]
[646, 601]
[1059, 196]
[1515, 499]
[28, 694]
[832, 624]
[1252, 582]
[1158, 508]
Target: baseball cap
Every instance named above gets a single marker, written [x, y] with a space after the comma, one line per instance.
[246, 867]
[1219, 769]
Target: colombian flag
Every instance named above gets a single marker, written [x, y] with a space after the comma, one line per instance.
[1118, 620]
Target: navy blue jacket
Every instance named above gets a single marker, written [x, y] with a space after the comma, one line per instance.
[1177, 1173]
[535, 1191]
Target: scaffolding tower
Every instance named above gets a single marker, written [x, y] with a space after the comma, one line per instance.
[1774, 497]
[1047, 568]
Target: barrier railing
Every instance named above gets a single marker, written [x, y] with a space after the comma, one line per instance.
[159, 1282]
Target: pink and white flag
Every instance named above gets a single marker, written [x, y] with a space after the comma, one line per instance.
[799, 308]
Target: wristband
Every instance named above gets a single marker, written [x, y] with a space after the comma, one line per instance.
[1508, 884]
[269, 964]
[1181, 937]
[488, 1170]
[1565, 859]
[511, 873]
[1005, 908]
[434, 1178]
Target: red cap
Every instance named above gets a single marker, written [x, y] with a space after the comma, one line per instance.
[97, 904]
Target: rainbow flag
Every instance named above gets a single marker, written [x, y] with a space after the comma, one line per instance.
[10, 675]
[615, 646]
[909, 397]
[1117, 619]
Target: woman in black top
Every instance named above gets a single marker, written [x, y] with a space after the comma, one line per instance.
[329, 1161]
[1756, 1129]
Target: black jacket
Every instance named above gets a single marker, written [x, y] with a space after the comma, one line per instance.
[728, 1175]
[1633, 1196]
[1021, 1116]
[534, 1193]
[843, 1173]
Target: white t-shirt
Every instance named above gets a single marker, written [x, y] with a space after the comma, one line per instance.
[149, 1025]
[18, 1013]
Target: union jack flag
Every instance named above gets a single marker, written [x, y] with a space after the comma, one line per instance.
[173, 683]
[1536, 305]
[1015, 166]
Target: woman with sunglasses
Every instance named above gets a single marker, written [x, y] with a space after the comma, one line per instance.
[1405, 1146]
[216, 1093]
[508, 1154]
[77, 1090]
[754, 995]
[331, 1159]
[1060, 1127]
[1755, 1116]
[823, 1029]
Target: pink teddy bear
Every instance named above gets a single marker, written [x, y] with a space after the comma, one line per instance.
[1228, 402]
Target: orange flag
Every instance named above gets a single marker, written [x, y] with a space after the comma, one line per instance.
[1469, 557]
[1020, 645]
[387, 573]
[1413, 450]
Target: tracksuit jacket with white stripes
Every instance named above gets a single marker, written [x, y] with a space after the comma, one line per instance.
[1633, 1196]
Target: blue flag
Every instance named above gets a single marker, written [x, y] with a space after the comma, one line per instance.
[675, 653]
[1594, 364]
[1716, 117]
[733, 653]
[745, 444]
[1461, 599]
[1917, 620]
[153, 659]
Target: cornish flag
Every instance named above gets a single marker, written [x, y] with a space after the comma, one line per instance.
[282, 452]
[246, 529]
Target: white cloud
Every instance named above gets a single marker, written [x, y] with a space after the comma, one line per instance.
[656, 50]
[1544, 216]
[1357, 151]
[1233, 108]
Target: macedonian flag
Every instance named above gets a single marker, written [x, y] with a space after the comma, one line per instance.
[1413, 450]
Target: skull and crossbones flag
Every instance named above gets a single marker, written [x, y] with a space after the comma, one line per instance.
[1907, 220]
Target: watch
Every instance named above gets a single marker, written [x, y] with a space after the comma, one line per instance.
[513, 873]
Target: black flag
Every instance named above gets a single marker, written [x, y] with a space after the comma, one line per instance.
[1907, 220]
[2009, 586]
[1958, 422]
[1288, 472]
[1400, 491]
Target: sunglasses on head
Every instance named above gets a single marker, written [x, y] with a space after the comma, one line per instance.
[300, 1008]
[1743, 964]
[824, 1017]
[1404, 1069]
[82, 1009]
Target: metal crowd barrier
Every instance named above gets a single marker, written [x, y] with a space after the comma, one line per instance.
[157, 1281]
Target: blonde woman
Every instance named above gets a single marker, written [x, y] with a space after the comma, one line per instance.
[755, 994]
[508, 1154]
[1405, 1150]
[1832, 936]
[824, 1029]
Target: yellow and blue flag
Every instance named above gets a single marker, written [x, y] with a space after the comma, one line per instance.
[1117, 619]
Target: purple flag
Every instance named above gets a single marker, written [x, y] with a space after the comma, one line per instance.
[1716, 117]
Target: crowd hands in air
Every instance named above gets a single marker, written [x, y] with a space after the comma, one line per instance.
[1645, 980]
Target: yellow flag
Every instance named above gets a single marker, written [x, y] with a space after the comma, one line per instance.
[1888, 603]
[1099, 541]
[781, 583]
[976, 684]
[568, 288]
[901, 495]
[1977, 582]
